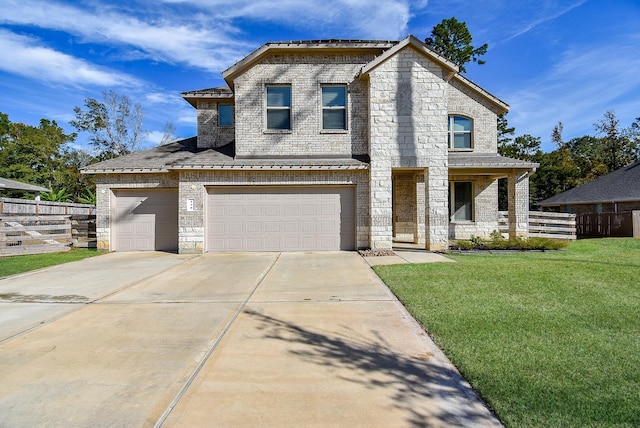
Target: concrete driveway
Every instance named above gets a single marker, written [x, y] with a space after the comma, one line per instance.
[270, 339]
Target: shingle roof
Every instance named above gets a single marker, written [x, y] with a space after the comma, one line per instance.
[184, 154]
[466, 160]
[7, 184]
[618, 186]
[220, 92]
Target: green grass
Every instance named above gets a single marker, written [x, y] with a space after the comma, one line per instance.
[18, 264]
[547, 339]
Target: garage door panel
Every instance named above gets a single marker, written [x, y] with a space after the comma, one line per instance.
[145, 220]
[280, 218]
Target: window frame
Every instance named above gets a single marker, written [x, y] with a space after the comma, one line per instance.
[269, 108]
[451, 132]
[220, 124]
[343, 108]
[452, 201]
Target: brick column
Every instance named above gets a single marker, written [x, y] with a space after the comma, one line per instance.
[381, 208]
[437, 209]
[518, 205]
[421, 203]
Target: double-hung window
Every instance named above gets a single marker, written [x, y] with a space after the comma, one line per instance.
[461, 201]
[279, 107]
[225, 115]
[460, 132]
[334, 107]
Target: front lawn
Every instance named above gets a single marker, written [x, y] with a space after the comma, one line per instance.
[17, 264]
[547, 339]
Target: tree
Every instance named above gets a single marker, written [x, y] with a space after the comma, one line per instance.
[556, 135]
[588, 157]
[619, 148]
[505, 132]
[169, 134]
[117, 125]
[524, 147]
[32, 154]
[451, 38]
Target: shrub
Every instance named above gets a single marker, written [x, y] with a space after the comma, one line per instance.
[498, 242]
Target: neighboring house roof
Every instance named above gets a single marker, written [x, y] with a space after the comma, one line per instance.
[6, 184]
[620, 185]
[184, 154]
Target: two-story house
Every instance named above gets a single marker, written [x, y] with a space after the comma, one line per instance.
[320, 145]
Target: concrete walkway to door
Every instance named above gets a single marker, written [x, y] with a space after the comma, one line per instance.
[270, 339]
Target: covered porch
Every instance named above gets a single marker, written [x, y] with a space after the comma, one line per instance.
[472, 193]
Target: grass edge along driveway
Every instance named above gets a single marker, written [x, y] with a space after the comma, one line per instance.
[547, 339]
[13, 265]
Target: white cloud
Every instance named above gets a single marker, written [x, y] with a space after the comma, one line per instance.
[579, 89]
[160, 38]
[361, 18]
[29, 58]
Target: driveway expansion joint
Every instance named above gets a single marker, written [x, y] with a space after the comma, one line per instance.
[213, 347]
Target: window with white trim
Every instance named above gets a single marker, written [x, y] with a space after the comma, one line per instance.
[334, 107]
[460, 132]
[461, 201]
[279, 107]
[225, 115]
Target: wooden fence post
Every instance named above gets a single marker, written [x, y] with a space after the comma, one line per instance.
[636, 223]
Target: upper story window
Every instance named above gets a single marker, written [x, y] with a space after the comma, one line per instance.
[334, 107]
[225, 115]
[460, 132]
[279, 107]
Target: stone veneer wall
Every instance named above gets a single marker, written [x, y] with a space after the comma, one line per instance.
[193, 185]
[408, 121]
[105, 183]
[485, 208]
[305, 73]
[209, 133]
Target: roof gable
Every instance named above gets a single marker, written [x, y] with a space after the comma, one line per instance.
[302, 46]
[449, 67]
[416, 44]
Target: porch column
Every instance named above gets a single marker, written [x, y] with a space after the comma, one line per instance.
[518, 205]
[381, 205]
[437, 210]
[421, 204]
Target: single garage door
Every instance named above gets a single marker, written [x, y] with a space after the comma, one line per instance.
[146, 220]
[302, 218]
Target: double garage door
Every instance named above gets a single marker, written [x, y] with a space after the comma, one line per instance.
[145, 220]
[302, 218]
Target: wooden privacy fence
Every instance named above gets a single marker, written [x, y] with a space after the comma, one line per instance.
[626, 224]
[27, 227]
[34, 234]
[545, 224]
[25, 207]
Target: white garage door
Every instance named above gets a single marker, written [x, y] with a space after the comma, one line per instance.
[145, 220]
[300, 218]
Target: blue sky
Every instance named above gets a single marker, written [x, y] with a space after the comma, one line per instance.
[551, 60]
